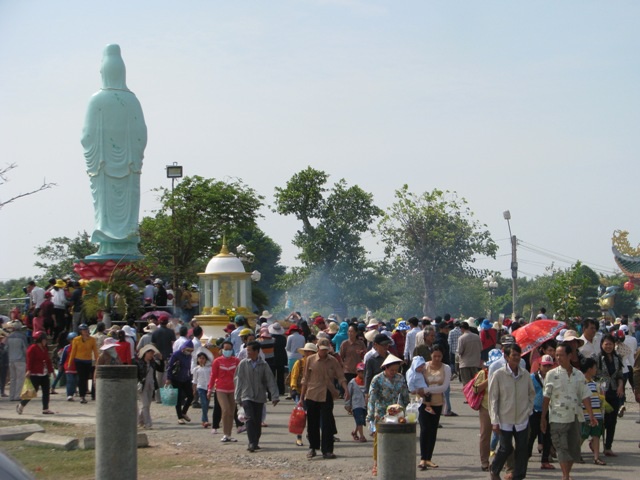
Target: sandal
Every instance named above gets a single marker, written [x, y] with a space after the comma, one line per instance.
[181, 421]
[430, 464]
[597, 461]
[547, 466]
[363, 439]
[422, 466]
[609, 453]
[355, 436]
[48, 412]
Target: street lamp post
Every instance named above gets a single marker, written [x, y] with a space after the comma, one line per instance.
[514, 265]
[174, 171]
[490, 284]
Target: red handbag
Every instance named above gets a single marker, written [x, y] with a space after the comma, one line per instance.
[297, 420]
[473, 399]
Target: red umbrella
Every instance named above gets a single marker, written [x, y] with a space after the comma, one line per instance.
[534, 334]
[157, 313]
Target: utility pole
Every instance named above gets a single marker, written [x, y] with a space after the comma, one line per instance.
[514, 264]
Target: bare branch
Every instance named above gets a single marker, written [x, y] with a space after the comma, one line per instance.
[4, 179]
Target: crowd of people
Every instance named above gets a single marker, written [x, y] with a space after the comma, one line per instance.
[568, 390]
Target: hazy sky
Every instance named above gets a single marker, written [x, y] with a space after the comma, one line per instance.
[526, 106]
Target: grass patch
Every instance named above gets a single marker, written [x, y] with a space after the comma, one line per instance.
[48, 463]
[51, 464]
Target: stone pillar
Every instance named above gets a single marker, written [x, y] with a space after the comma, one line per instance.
[396, 450]
[116, 422]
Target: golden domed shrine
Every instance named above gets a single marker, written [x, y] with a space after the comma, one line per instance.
[225, 291]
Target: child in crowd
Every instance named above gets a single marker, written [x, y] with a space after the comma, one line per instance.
[418, 384]
[71, 374]
[356, 405]
[201, 374]
[589, 367]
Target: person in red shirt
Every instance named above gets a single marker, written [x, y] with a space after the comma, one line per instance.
[488, 337]
[39, 367]
[223, 370]
[123, 348]
[399, 336]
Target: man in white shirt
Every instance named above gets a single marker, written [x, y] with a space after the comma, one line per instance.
[410, 339]
[591, 337]
[511, 395]
[36, 296]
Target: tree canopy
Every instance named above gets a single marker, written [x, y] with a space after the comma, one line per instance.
[203, 211]
[433, 236]
[57, 257]
[335, 268]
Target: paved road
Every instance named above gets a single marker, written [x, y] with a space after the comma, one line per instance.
[456, 448]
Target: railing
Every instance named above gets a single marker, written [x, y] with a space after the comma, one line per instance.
[6, 304]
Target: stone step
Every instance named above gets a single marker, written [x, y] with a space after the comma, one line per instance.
[55, 441]
[89, 443]
[19, 432]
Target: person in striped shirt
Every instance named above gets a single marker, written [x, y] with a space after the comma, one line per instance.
[589, 368]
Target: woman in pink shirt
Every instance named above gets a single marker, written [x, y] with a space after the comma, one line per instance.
[223, 370]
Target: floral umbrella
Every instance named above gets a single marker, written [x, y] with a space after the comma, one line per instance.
[157, 313]
[534, 334]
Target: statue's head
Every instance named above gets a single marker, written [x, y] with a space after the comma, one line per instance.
[113, 71]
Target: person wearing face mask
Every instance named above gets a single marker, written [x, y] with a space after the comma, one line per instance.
[223, 370]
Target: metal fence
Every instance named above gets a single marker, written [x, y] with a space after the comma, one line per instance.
[6, 304]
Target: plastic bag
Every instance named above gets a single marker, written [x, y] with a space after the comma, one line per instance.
[169, 396]
[297, 420]
[241, 415]
[28, 390]
[411, 412]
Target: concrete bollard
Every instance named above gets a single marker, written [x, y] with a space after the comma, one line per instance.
[396, 451]
[116, 422]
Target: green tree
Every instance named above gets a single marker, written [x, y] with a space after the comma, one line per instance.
[572, 293]
[60, 253]
[335, 268]
[203, 211]
[435, 236]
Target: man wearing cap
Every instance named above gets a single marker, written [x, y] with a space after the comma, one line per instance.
[504, 341]
[318, 390]
[375, 357]
[565, 390]
[511, 396]
[410, 339]
[234, 336]
[469, 351]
